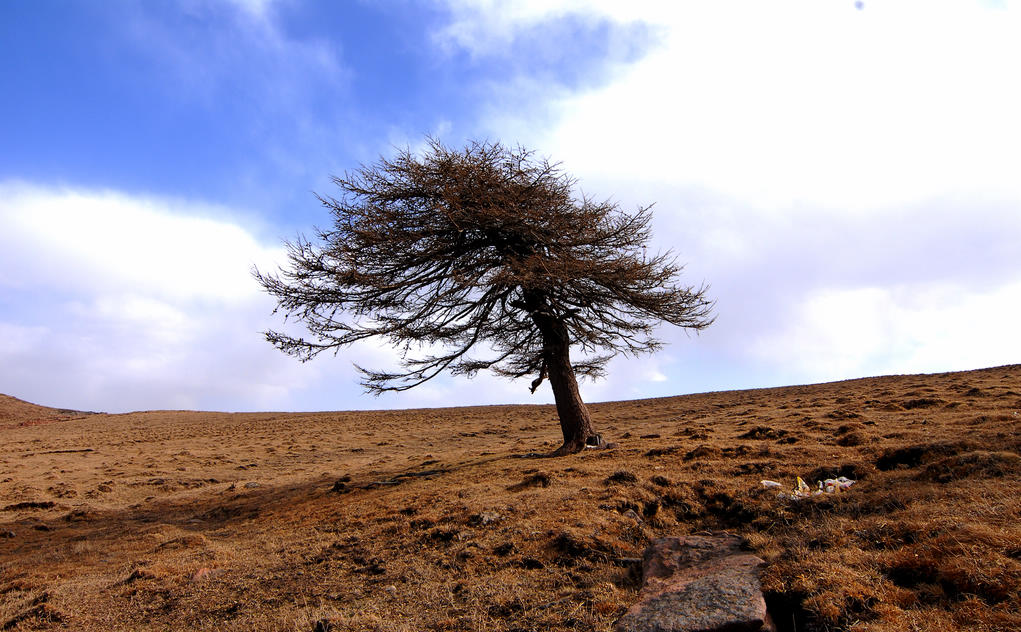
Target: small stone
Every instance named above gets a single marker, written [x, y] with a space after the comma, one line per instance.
[698, 584]
[391, 590]
[7, 534]
[251, 485]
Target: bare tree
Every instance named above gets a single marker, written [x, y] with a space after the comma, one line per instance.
[488, 254]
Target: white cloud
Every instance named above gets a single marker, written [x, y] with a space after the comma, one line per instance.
[871, 331]
[489, 27]
[83, 242]
[825, 168]
[118, 302]
[799, 102]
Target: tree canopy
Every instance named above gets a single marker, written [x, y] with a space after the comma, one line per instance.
[487, 254]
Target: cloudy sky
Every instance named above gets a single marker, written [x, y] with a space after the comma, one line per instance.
[846, 176]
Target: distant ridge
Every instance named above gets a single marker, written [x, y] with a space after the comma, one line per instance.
[15, 411]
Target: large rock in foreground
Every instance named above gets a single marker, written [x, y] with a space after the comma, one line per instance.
[698, 584]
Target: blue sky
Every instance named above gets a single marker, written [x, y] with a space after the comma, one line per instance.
[844, 178]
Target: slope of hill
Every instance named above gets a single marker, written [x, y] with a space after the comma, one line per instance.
[443, 519]
[14, 411]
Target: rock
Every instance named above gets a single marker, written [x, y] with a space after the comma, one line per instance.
[7, 534]
[698, 584]
[251, 485]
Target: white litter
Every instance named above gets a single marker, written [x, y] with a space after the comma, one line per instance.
[802, 490]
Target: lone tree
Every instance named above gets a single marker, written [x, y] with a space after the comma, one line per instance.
[487, 254]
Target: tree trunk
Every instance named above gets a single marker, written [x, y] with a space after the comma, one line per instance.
[575, 422]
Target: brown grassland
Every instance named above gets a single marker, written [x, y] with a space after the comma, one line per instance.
[445, 519]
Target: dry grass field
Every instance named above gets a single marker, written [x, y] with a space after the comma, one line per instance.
[446, 519]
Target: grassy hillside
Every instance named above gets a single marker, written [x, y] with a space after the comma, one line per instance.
[15, 412]
[443, 519]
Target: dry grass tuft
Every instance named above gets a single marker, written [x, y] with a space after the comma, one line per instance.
[977, 464]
